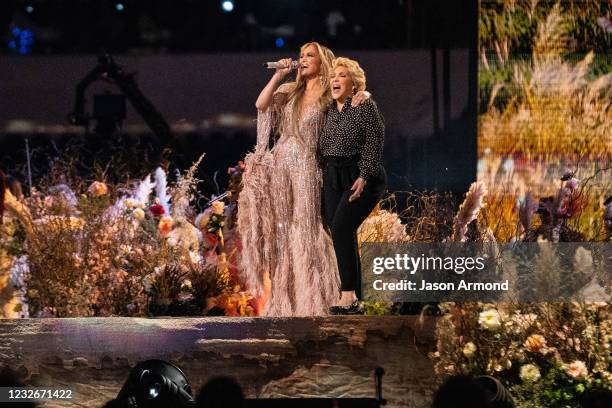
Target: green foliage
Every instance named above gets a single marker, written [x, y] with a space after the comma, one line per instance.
[583, 28]
[547, 354]
[15, 244]
[91, 207]
[488, 79]
[505, 23]
[602, 65]
[555, 389]
[375, 308]
[215, 223]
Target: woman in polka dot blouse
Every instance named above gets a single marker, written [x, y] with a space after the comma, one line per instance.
[354, 179]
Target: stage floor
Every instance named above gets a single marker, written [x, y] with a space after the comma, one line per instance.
[270, 357]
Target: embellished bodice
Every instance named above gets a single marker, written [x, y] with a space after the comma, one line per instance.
[302, 135]
[307, 129]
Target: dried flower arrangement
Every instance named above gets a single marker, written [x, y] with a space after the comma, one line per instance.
[130, 252]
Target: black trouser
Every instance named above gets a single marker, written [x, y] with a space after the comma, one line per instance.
[343, 218]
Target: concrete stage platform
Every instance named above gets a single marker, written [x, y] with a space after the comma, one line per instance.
[270, 357]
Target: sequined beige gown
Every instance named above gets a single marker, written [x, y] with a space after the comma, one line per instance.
[279, 216]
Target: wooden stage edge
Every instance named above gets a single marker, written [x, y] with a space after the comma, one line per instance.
[270, 357]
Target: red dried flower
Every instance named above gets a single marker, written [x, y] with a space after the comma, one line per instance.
[211, 240]
[157, 210]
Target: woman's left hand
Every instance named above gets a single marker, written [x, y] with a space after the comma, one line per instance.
[360, 97]
[357, 189]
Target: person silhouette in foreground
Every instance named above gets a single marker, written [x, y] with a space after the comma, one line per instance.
[461, 392]
[220, 392]
[8, 378]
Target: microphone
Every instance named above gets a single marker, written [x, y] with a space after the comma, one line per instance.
[274, 65]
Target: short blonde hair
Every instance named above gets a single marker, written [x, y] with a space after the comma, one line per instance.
[355, 71]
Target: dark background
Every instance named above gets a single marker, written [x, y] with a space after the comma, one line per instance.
[201, 69]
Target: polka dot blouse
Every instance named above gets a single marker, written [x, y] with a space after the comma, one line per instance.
[355, 131]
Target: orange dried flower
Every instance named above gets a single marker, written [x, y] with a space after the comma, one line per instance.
[535, 343]
[97, 189]
[165, 225]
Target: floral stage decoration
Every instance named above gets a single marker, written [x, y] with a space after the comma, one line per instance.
[108, 251]
[105, 250]
[544, 143]
[546, 354]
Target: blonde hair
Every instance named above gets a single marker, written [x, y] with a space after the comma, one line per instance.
[355, 71]
[299, 86]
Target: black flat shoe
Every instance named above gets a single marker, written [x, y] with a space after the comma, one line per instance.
[354, 308]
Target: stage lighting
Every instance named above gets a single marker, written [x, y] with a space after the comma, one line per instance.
[155, 383]
[21, 40]
[29, 9]
[119, 7]
[227, 6]
[280, 43]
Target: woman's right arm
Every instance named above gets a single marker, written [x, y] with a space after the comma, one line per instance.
[264, 100]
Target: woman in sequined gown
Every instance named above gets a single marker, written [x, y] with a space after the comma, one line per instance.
[279, 208]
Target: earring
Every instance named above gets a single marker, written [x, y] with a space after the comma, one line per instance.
[322, 80]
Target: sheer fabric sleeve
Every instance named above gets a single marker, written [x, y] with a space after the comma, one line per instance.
[269, 119]
[254, 223]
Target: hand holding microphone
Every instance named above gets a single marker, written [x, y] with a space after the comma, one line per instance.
[283, 66]
[276, 64]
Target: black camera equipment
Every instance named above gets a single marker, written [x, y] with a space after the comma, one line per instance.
[109, 112]
[109, 109]
[155, 384]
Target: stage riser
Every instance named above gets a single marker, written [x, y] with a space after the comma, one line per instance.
[314, 357]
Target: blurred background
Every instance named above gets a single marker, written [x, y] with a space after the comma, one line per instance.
[198, 64]
[143, 27]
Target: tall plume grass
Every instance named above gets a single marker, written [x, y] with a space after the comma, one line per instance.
[555, 108]
[184, 189]
[468, 211]
[557, 118]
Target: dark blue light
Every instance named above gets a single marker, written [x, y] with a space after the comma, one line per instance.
[280, 43]
[22, 40]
